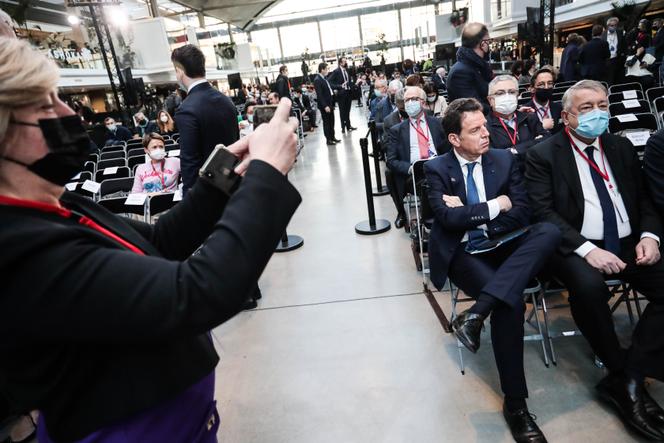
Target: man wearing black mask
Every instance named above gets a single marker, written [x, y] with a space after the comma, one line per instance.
[341, 83]
[471, 74]
[548, 112]
[144, 126]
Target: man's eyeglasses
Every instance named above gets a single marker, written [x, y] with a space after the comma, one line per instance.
[412, 99]
[502, 92]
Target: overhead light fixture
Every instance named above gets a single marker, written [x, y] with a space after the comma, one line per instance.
[73, 20]
[118, 16]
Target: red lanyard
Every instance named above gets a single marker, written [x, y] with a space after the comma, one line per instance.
[161, 176]
[516, 130]
[419, 131]
[605, 174]
[545, 111]
[66, 213]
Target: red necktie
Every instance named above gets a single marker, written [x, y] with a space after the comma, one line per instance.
[422, 140]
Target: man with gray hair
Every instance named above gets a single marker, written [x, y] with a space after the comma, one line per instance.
[615, 37]
[417, 137]
[590, 184]
[439, 79]
[508, 128]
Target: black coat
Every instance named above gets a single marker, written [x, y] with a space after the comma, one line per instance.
[438, 82]
[653, 166]
[205, 118]
[92, 333]
[444, 177]
[469, 77]
[324, 96]
[336, 79]
[282, 86]
[556, 196]
[121, 134]
[593, 58]
[528, 125]
[569, 70]
[622, 43]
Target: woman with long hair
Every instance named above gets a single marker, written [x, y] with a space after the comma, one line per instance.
[166, 123]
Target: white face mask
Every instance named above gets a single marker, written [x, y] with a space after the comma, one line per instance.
[505, 104]
[163, 119]
[431, 99]
[157, 154]
[111, 127]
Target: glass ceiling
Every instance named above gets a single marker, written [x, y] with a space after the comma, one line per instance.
[294, 9]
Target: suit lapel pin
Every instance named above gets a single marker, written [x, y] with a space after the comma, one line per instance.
[453, 179]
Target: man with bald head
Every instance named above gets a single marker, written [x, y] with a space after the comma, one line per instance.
[471, 74]
[590, 184]
[418, 137]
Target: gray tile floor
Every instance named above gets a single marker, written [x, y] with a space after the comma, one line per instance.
[345, 348]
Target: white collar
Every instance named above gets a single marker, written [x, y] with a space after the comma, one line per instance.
[196, 83]
[463, 161]
[582, 145]
[422, 117]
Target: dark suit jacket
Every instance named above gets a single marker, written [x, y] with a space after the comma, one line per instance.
[281, 86]
[658, 44]
[398, 148]
[149, 128]
[121, 134]
[391, 120]
[121, 333]
[622, 42]
[556, 196]
[593, 58]
[568, 63]
[438, 83]
[323, 95]
[444, 176]
[554, 111]
[528, 126]
[205, 118]
[336, 79]
[383, 109]
[653, 166]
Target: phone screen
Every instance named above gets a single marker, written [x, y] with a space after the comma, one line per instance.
[263, 114]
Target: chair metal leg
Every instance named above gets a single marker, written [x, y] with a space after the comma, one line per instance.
[533, 297]
[454, 294]
[546, 328]
[637, 303]
[628, 302]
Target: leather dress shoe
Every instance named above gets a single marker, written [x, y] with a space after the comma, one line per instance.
[250, 304]
[350, 128]
[331, 143]
[467, 327]
[627, 396]
[523, 427]
[653, 410]
[336, 140]
[399, 222]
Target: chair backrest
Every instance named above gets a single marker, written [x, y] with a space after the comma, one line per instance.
[171, 146]
[102, 175]
[93, 157]
[162, 202]
[83, 176]
[658, 103]
[133, 170]
[523, 101]
[90, 167]
[135, 142]
[557, 96]
[80, 191]
[135, 151]
[135, 160]
[112, 148]
[113, 185]
[112, 155]
[560, 89]
[629, 107]
[625, 87]
[654, 93]
[117, 206]
[633, 121]
[110, 163]
[564, 84]
[420, 183]
[625, 95]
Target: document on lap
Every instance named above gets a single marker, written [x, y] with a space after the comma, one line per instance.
[495, 243]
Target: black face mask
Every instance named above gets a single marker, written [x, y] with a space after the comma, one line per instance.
[69, 145]
[543, 94]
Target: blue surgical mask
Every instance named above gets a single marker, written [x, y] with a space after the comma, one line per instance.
[378, 93]
[250, 118]
[592, 124]
[413, 108]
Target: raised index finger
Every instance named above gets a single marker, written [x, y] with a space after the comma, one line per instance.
[283, 110]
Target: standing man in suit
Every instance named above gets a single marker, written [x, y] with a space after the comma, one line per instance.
[325, 102]
[477, 193]
[205, 118]
[419, 136]
[594, 56]
[471, 74]
[618, 48]
[569, 60]
[283, 86]
[341, 83]
[590, 184]
[548, 111]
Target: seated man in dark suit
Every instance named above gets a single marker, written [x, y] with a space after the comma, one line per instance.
[590, 184]
[115, 133]
[205, 118]
[415, 138]
[476, 192]
[144, 125]
[548, 112]
[508, 128]
[396, 117]
[653, 166]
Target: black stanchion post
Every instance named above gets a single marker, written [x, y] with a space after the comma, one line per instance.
[380, 189]
[371, 226]
[289, 242]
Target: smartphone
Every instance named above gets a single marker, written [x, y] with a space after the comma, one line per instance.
[219, 170]
[263, 114]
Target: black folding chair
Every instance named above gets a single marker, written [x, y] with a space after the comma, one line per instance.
[114, 185]
[135, 151]
[117, 206]
[121, 172]
[93, 157]
[617, 97]
[112, 148]
[103, 164]
[80, 191]
[620, 108]
[135, 160]
[560, 89]
[159, 203]
[625, 87]
[172, 147]
[557, 96]
[636, 126]
[112, 155]
[564, 84]
[654, 93]
[134, 142]
[83, 176]
[526, 94]
[658, 108]
[90, 167]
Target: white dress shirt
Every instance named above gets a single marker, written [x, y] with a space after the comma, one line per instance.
[196, 83]
[612, 40]
[414, 144]
[478, 177]
[593, 218]
[542, 111]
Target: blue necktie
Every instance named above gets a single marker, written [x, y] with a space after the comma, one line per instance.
[611, 238]
[475, 236]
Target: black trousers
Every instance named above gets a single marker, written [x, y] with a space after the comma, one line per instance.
[504, 273]
[397, 197]
[588, 297]
[328, 124]
[615, 70]
[344, 100]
